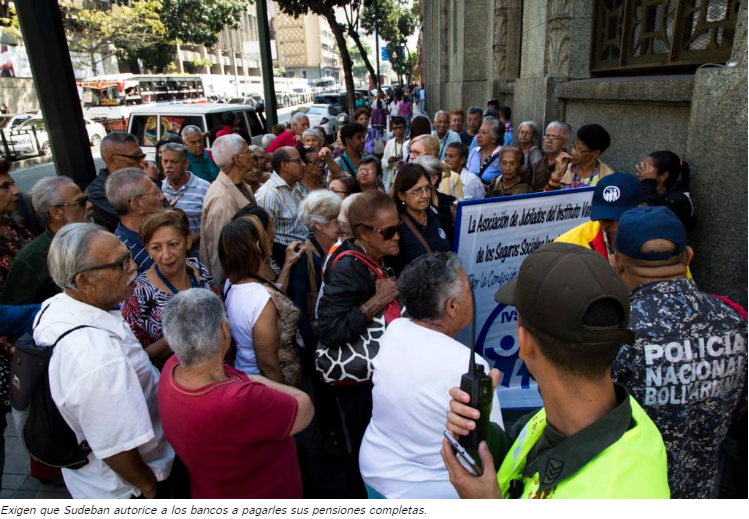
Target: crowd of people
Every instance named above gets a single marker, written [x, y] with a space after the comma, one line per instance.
[212, 283]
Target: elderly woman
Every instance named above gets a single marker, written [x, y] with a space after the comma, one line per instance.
[369, 174]
[510, 182]
[314, 171]
[399, 455]
[528, 143]
[263, 320]
[344, 186]
[420, 126]
[358, 300]
[255, 177]
[312, 139]
[665, 181]
[583, 168]
[292, 137]
[483, 160]
[166, 237]
[233, 432]
[422, 231]
[444, 203]
[449, 183]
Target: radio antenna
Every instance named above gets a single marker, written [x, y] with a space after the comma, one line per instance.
[472, 359]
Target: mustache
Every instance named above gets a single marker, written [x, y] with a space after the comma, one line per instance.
[132, 277]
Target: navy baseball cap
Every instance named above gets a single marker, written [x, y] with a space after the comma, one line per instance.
[642, 224]
[615, 194]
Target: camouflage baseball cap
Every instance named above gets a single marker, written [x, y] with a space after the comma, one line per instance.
[556, 285]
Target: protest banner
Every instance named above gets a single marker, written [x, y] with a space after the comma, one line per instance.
[492, 237]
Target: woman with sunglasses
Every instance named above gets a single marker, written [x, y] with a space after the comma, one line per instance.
[357, 289]
[422, 231]
[166, 237]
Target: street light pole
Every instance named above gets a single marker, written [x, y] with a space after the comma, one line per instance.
[266, 62]
[377, 43]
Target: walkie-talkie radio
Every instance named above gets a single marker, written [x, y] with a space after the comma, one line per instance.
[479, 386]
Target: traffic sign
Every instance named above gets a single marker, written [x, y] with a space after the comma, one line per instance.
[385, 54]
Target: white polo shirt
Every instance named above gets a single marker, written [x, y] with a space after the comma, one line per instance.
[105, 388]
[413, 373]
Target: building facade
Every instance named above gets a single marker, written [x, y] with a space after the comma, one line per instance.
[657, 74]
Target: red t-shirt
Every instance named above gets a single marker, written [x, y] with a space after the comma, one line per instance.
[226, 130]
[287, 138]
[233, 436]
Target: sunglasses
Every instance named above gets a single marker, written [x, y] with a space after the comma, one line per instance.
[138, 157]
[81, 202]
[387, 233]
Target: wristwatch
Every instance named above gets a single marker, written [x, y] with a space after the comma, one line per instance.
[366, 312]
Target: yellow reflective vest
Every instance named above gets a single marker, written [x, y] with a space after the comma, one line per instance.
[632, 467]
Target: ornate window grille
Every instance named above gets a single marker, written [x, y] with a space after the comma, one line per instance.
[637, 35]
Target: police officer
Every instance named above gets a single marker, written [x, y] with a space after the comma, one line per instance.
[591, 439]
[687, 366]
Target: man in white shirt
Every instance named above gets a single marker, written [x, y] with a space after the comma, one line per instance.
[100, 376]
[393, 153]
[418, 359]
[444, 134]
[456, 157]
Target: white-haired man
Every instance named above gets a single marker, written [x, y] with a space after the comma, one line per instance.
[227, 195]
[100, 376]
[201, 162]
[443, 132]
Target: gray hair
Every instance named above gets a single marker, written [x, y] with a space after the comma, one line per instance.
[117, 139]
[69, 253]
[432, 165]
[192, 325]
[190, 128]
[497, 128]
[441, 112]
[225, 148]
[314, 133]
[298, 116]
[428, 282]
[280, 156]
[533, 126]
[343, 215]
[564, 126]
[46, 194]
[255, 147]
[175, 147]
[320, 207]
[475, 110]
[267, 139]
[122, 186]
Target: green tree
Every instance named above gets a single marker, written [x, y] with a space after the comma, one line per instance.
[395, 21]
[326, 9]
[359, 68]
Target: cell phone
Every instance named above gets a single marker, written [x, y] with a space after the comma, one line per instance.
[465, 459]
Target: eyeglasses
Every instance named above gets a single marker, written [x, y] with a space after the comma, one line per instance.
[123, 263]
[156, 193]
[579, 149]
[138, 157]
[414, 154]
[425, 190]
[387, 233]
[340, 192]
[553, 137]
[81, 202]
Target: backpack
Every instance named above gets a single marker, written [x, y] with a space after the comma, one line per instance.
[43, 431]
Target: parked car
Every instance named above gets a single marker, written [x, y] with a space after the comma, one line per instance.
[10, 121]
[249, 101]
[149, 124]
[322, 115]
[337, 101]
[24, 142]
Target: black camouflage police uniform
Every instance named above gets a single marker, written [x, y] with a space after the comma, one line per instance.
[687, 369]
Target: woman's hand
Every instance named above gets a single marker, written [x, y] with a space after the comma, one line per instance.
[646, 171]
[386, 291]
[294, 251]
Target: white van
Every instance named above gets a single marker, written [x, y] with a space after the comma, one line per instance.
[164, 121]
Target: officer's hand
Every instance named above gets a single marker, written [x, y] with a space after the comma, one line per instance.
[460, 419]
[467, 485]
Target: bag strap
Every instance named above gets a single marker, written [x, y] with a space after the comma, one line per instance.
[733, 304]
[486, 164]
[61, 337]
[364, 259]
[312, 293]
[417, 233]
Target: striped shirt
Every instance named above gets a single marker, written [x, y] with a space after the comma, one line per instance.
[131, 239]
[281, 201]
[191, 197]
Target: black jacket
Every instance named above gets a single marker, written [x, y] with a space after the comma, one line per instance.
[675, 198]
[348, 284]
[103, 212]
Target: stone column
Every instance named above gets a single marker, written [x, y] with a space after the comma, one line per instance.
[716, 152]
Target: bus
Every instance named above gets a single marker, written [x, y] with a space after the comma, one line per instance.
[113, 96]
[326, 84]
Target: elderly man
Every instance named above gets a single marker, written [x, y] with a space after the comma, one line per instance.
[224, 198]
[100, 376]
[183, 189]
[443, 133]
[58, 201]
[240, 438]
[281, 196]
[687, 365]
[293, 137]
[134, 196]
[556, 140]
[399, 457]
[456, 156]
[201, 163]
[591, 439]
[119, 150]
[473, 123]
